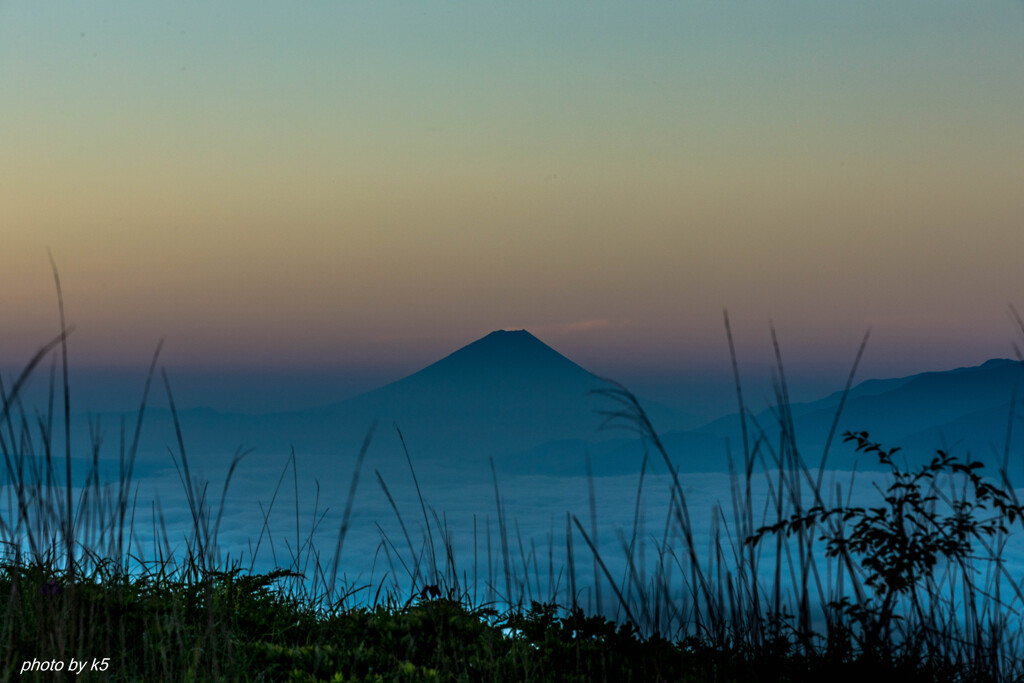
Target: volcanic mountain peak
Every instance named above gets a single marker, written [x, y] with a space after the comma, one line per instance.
[505, 353]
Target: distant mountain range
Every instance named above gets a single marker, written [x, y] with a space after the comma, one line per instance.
[966, 410]
[510, 397]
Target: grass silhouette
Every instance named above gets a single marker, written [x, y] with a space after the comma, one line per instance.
[915, 586]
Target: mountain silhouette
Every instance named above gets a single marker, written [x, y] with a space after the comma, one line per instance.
[966, 408]
[498, 397]
[510, 397]
[503, 371]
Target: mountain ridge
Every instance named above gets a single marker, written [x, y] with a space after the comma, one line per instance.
[919, 413]
[511, 397]
[502, 394]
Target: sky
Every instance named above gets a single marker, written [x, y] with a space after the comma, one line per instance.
[346, 192]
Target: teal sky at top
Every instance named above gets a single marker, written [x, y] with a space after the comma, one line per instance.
[378, 183]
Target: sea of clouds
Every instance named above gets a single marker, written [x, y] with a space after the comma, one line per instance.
[278, 515]
[512, 536]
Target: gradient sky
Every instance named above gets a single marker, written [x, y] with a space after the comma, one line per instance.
[372, 185]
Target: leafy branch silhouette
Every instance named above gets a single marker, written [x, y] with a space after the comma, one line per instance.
[899, 544]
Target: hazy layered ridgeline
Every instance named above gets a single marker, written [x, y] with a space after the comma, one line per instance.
[966, 410]
[512, 398]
